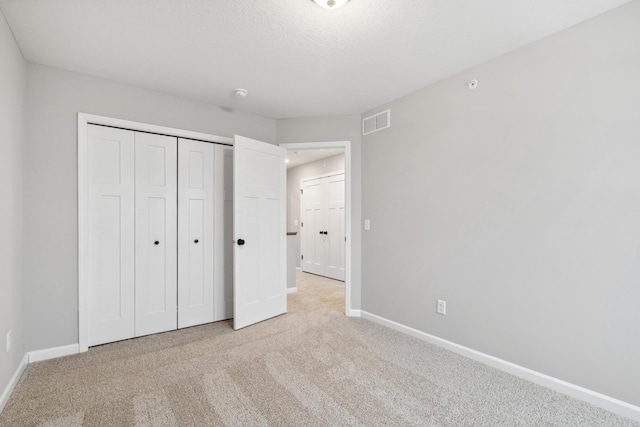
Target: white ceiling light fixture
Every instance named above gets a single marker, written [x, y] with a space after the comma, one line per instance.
[330, 4]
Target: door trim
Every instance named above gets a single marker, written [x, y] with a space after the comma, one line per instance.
[348, 310]
[83, 121]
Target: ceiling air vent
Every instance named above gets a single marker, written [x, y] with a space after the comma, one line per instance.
[376, 122]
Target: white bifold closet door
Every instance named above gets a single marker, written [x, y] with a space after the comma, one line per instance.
[156, 284]
[196, 188]
[335, 232]
[323, 231]
[313, 224]
[110, 238]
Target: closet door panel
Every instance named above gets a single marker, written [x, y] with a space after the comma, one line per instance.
[335, 237]
[223, 259]
[155, 233]
[110, 213]
[196, 168]
[313, 219]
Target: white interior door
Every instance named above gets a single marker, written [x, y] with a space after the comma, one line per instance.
[224, 230]
[156, 233]
[110, 237]
[260, 278]
[196, 169]
[335, 229]
[313, 225]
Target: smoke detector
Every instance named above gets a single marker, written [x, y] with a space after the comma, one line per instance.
[241, 93]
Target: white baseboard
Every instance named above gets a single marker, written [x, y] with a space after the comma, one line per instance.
[52, 353]
[354, 313]
[292, 290]
[603, 401]
[4, 398]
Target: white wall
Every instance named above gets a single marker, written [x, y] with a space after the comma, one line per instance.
[54, 99]
[519, 204]
[12, 137]
[336, 128]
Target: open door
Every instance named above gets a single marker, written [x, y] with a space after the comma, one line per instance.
[259, 206]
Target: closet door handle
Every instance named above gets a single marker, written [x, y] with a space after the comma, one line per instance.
[325, 232]
[321, 232]
[196, 241]
[156, 242]
[240, 242]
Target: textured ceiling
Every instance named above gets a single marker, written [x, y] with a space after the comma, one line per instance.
[295, 58]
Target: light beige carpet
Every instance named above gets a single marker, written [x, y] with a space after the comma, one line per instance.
[310, 367]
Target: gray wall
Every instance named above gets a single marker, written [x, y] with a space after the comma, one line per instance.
[519, 204]
[54, 99]
[336, 128]
[13, 95]
[294, 175]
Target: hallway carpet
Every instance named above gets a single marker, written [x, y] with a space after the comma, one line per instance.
[310, 367]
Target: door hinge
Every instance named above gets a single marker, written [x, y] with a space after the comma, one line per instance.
[301, 191]
[301, 256]
[302, 224]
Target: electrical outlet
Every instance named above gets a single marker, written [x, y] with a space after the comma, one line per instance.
[8, 341]
[367, 224]
[442, 307]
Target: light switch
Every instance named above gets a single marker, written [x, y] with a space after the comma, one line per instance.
[367, 224]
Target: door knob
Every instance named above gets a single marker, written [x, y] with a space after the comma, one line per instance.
[240, 242]
[195, 241]
[156, 242]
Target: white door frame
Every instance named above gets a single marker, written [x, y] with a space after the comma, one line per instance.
[83, 121]
[348, 310]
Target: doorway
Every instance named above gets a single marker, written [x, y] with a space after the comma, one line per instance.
[324, 159]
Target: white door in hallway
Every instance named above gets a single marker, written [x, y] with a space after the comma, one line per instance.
[156, 285]
[110, 234]
[323, 230]
[313, 224]
[259, 231]
[196, 167]
[335, 226]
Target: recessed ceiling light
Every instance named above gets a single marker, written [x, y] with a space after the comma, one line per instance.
[330, 4]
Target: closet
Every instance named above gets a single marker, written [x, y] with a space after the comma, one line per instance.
[323, 225]
[156, 211]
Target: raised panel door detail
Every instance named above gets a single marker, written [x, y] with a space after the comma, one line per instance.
[251, 228]
[156, 163]
[157, 259]
[107, 160]
[196, 254]
[196, 232]
[323, 233]
[110, 234]
[196, 168]
[335, 237]
[259, 231]
[155, 233]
